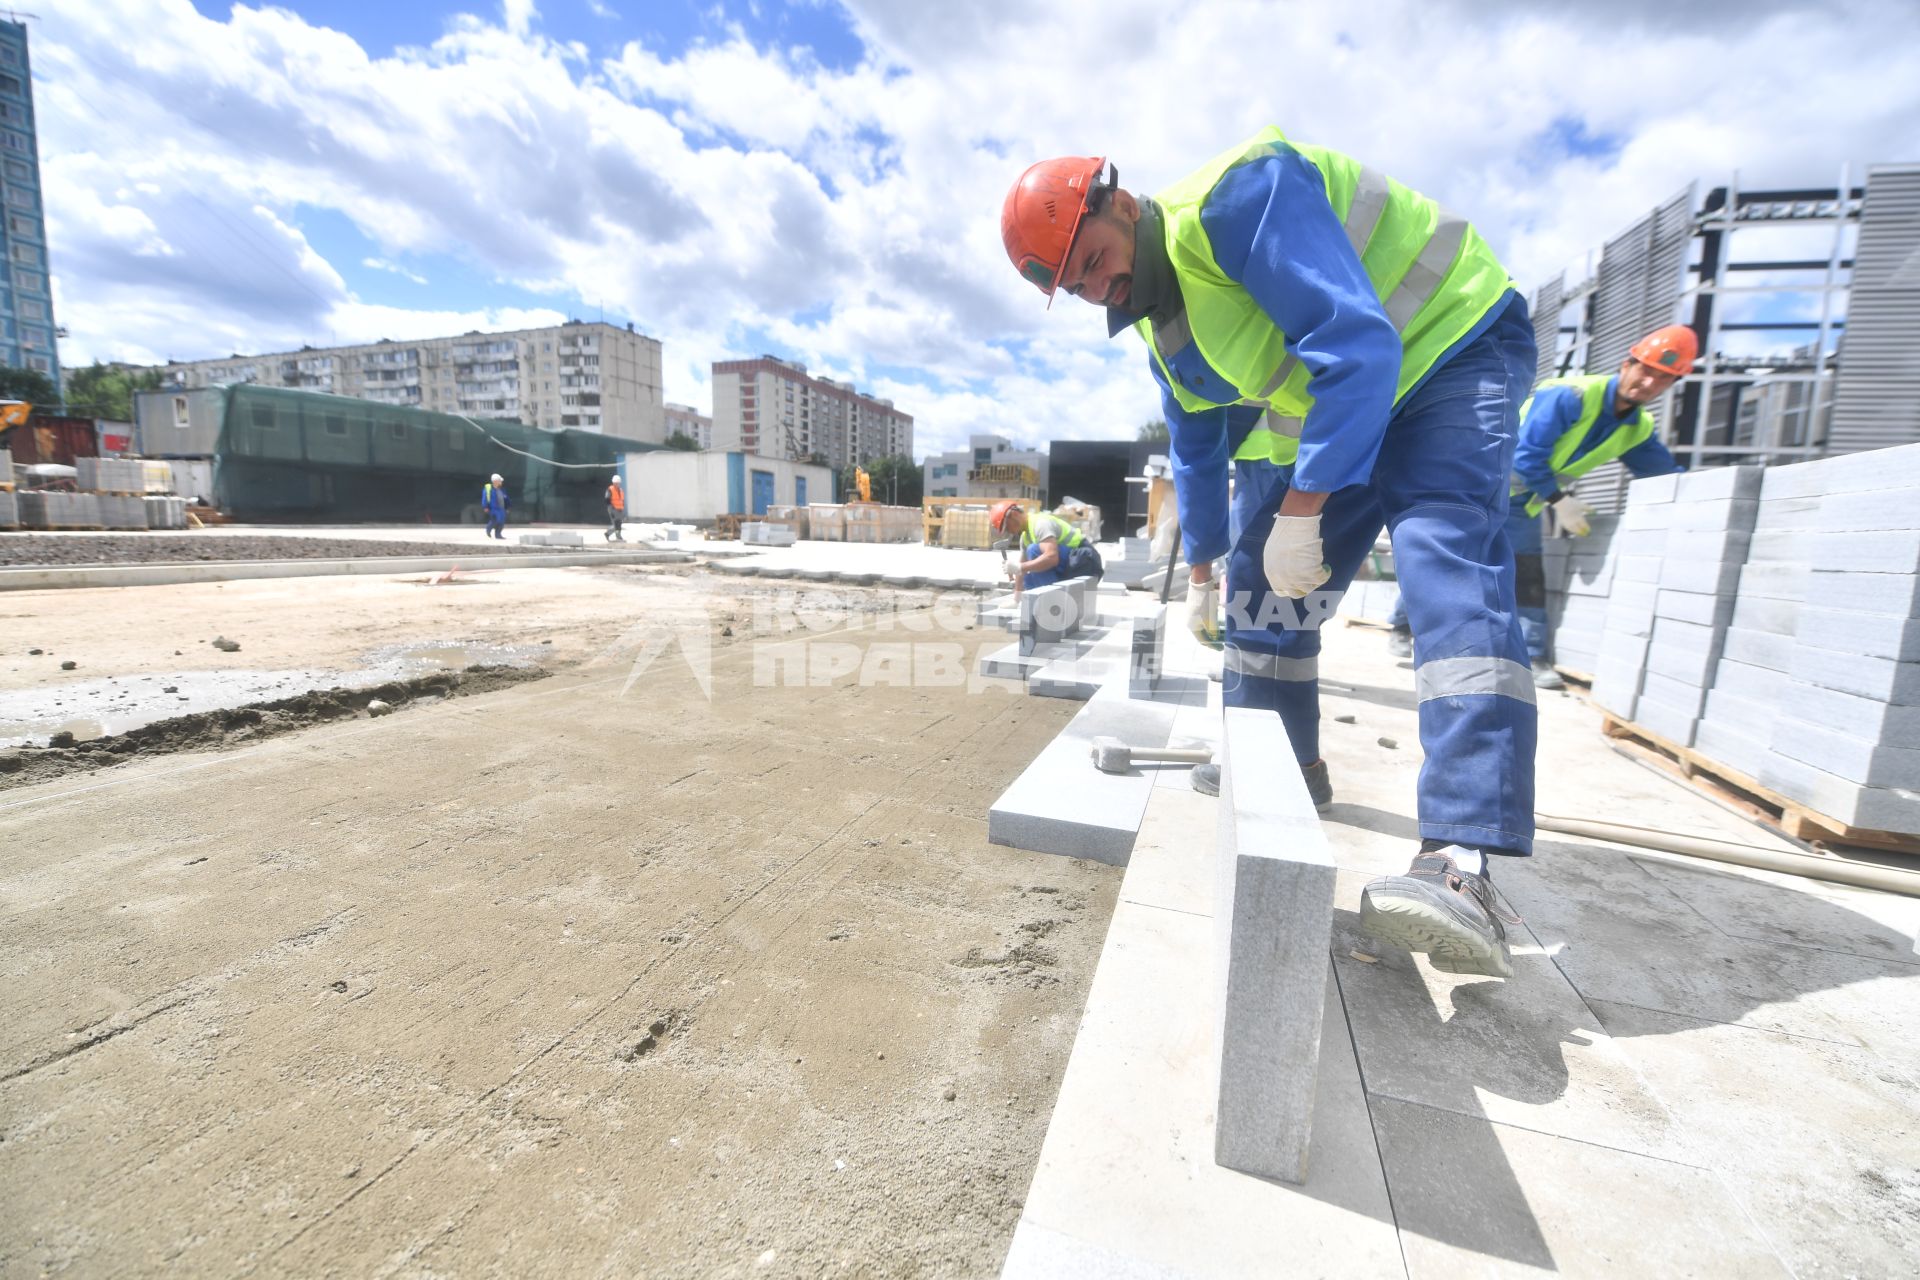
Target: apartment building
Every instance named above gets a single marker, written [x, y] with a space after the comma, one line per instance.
[988, 468]
[774, 408]
[589, 376]
[27, 328]
[691, 423]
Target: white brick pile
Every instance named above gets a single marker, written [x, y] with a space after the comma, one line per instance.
[1580, 575]
[110, 475]
[1782, 638]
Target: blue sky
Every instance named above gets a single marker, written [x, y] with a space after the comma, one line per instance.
[822, 179]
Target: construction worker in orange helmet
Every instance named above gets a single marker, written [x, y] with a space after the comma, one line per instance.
[1051, 550]
[1340, 405]
[1568, 427]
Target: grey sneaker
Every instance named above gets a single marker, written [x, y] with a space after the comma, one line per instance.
[1400, 642]
[1206, 780]
[1545, 677]
[1448, 913]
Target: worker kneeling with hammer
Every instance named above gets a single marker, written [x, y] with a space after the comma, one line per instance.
[1358, 355]
[1051, 550]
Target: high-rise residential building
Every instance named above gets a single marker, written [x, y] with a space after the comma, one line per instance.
[772, 407]
[27, 330]
[691, 423]
[587, 375]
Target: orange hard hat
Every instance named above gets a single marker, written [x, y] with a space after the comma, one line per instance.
[1671, 350]
[1042, 214]
[997, 513]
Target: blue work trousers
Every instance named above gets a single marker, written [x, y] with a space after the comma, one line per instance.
[1440, 488]
[1075, 562]
[1530, 584]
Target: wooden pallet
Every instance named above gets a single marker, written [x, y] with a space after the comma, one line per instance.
[64, 528]
[1577, 677]
[1747, 795]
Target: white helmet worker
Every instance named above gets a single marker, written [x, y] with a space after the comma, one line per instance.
[498, 478]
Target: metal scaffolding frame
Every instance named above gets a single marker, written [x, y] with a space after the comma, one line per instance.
[1679, 264]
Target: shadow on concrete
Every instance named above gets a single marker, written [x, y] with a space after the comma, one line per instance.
[1691, 940]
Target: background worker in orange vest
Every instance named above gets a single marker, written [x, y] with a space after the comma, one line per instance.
[616, 511]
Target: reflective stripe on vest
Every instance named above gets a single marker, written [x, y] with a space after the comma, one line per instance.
[1455, 677]
[1270, 666]
[1056, 528]
[1434, 275]
[1566, 468]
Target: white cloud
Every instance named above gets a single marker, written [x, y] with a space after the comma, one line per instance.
[738, 189]
[393, 268]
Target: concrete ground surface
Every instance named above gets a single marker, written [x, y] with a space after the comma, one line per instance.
[602, 975]
[595, 975]
[1697, 1069]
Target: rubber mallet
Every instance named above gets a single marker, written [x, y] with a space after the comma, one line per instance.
[1110, 755]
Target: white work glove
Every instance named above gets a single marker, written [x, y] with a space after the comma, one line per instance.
[1203, 611]
[1570, 515]
[1293, 559]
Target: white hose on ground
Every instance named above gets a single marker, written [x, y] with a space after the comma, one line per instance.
[1859, 874]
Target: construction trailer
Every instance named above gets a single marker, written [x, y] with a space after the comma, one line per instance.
[1806, 302]
[304, 456]
[682, 485]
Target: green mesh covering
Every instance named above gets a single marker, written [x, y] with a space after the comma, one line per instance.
[301, 455]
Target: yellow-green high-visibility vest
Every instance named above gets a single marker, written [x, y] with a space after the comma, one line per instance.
[1041, 526]
[1632, 433]
[1433, 273]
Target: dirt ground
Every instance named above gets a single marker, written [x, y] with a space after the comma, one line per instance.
[601, 973]
[165, 548]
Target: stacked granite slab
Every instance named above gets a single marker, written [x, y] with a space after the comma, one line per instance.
[110, 475]
[1630, 586]
[122, 510]
[763, 534]
[50, 509]
[9, 510]
[6, 466]
[165, 511]
[1709, 528]
[1580, 575]
[1847, 744]
[1744, 703]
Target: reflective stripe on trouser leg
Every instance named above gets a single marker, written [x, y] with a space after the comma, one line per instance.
[1442, 478]
[1273, 643]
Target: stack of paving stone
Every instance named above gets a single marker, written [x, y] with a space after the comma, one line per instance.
[1620, 647]
[1580, 574]
[1847, 744]
[165, 511]
[110, 475]
[50, 509]
[1744, 703]
[9, 506]
[1708, 530]
[762, 534]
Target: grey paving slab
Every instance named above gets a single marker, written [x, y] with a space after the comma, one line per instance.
[1851, 714]
[1272, 918]
[1652, 490]
[1691, 606]
[1620, 935]
[1894, 468]
[1882, 678]
[1778, 546]
[1670, 723]
[1640, 569]
[1762, 686]
[1821, 1177]
[1713, 577]
[1799, 480]
[1711, 483]
[1887, 509]
[1778, 581]
[1861, 760]
[1866, 551]
[1677, 696]
[1524, 1051]
[1782, 910]
[1733, 744]
[1762, 649]
[1715, 544]
[1875, 635]
[1126, 1183]
[1717, 513]
[1147, 656]
[1763, 613]
[1894, 593]
[1841, 800]
[1471, 1192]
[1062, 804]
